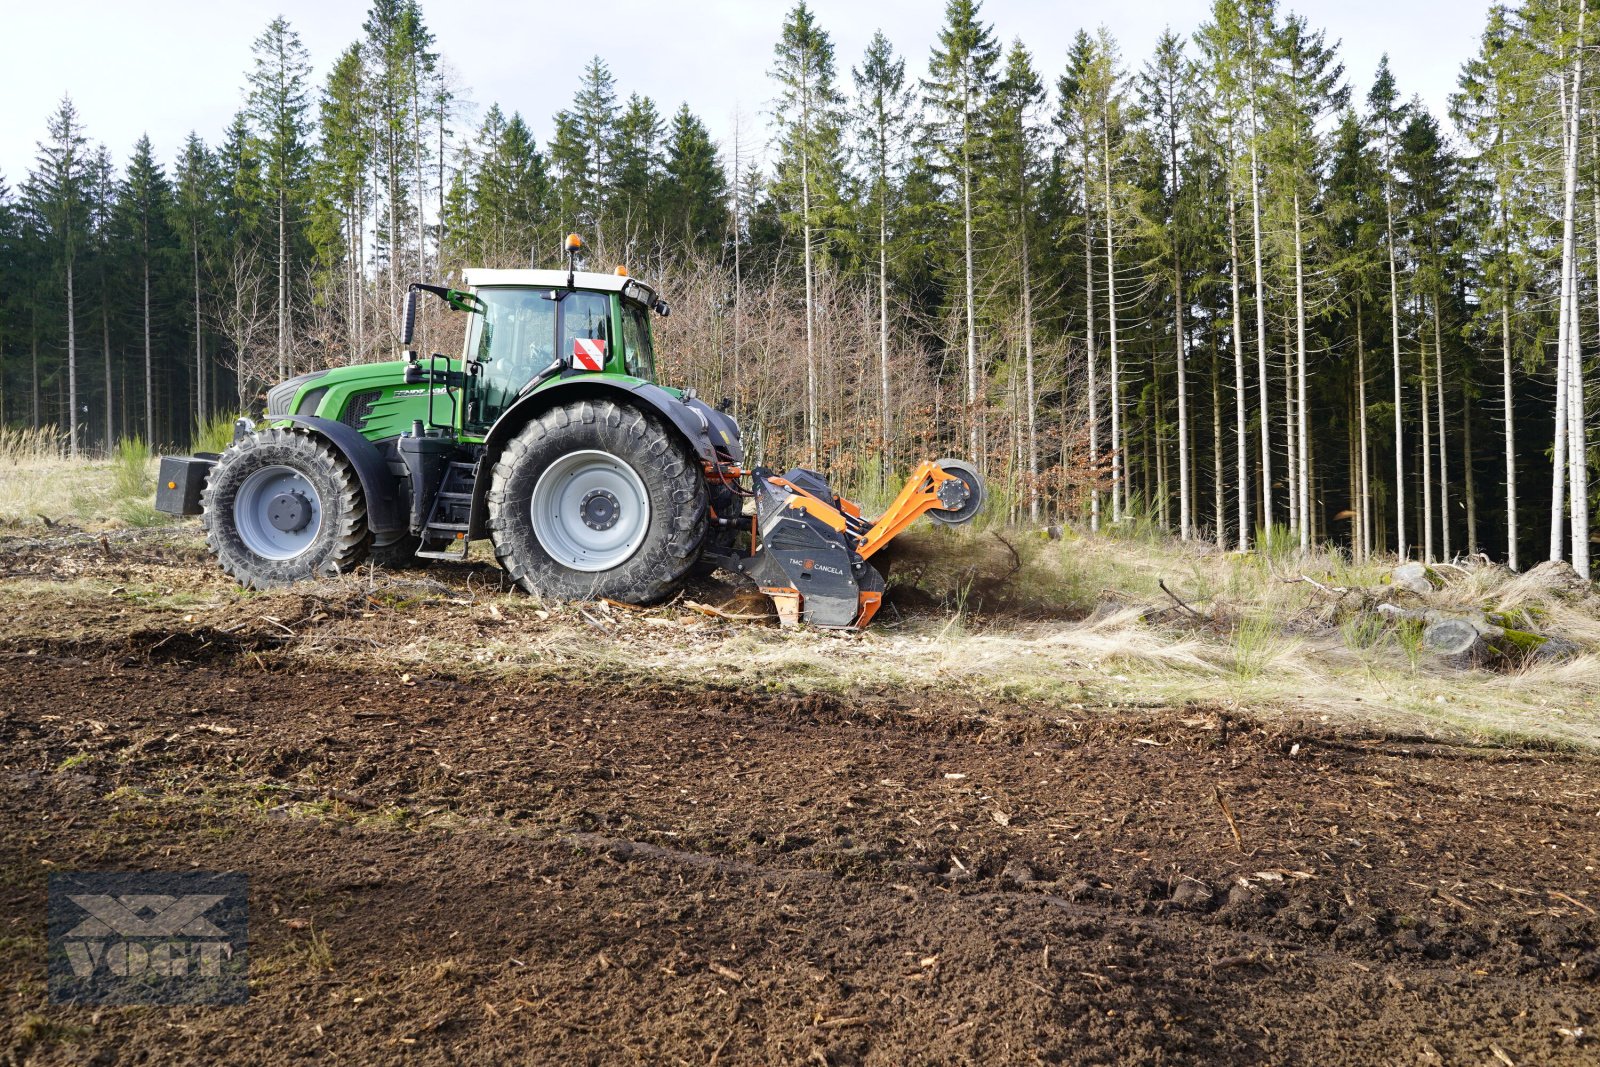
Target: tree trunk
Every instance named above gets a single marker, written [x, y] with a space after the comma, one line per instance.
[1185, 506]
[1241, 429]
[33, 336]
[1093, 355]
[283, 285]
[1119, 458]
[199, 344]
[1304, 424]
[1401, 548]
[1506, 403]
[1469, 478]
[813, 431]
[973, 415]
[1444, 464]
[1427, 454]
[1364, 496]
[1027, 356]
[1220, 498]
[105, 340]
[1261, 318]
[72, 364]
[886, 463]
[149, 356]
[1291, 467]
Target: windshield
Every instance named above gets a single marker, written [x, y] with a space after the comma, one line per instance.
[516, 338]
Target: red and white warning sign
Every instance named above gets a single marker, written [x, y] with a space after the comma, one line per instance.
[589, 353]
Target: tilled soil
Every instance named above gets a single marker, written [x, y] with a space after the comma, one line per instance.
[456, 869]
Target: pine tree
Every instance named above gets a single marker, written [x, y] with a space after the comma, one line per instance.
[1077, 120]
[1386, 117]
[388, 52]
[580, 153]
[634, 189]
[345, 155]
[882, 119]
[809, 168]
[144, 207]
[277, 108]
[1166, 91]
[695, 186]
[961, 75]
[109, 253]
[56, 195]
[1308, 87]
[1013, 183]
[196, 198]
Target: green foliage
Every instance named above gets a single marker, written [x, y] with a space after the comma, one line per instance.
[215, 435]
[1254, 646]
[130, 468]
[1223, 189]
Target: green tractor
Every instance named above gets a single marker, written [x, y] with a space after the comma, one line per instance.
[550, 438]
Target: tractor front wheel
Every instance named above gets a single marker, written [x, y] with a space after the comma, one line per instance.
[281, 506]
[597, 499]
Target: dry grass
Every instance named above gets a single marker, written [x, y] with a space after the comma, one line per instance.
[1010, 615]
[38, 480]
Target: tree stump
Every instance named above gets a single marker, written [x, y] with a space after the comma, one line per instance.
[1456, 642]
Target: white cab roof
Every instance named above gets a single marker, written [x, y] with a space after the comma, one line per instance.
[481, 277]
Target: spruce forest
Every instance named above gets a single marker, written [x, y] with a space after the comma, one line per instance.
[1205, 284]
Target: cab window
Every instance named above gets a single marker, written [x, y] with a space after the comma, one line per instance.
[512, 341]
[636, 350]
[586, 316]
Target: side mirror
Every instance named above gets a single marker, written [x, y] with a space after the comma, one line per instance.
[663, 308]
[409, 326]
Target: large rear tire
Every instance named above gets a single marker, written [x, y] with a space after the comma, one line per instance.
[597, 499]
[281, 507]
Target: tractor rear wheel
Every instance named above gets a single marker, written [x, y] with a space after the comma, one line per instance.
[281, 506]
[597, 499]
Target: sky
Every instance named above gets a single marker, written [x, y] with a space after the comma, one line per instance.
[166, 67]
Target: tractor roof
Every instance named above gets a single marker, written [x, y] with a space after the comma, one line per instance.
[479, 277]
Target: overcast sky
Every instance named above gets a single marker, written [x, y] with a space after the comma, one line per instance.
[166, 66]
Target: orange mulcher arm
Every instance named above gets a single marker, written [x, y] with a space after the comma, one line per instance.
[919, 495]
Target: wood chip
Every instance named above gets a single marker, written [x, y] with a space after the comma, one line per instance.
[1571, 900]
[1502, 1055]
[725, 971]
[1238, 838]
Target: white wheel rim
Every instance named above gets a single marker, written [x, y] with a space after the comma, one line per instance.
[590, 511]
[277, 512]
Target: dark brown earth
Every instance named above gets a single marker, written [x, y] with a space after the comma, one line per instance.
[449, 870]
[569, 866]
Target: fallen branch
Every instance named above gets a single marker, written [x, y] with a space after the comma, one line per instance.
[1341, 590]
[1162, 582]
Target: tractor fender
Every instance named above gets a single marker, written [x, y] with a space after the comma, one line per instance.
[385, 511]
[699, 425]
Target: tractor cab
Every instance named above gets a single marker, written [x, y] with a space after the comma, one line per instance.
[531, 326]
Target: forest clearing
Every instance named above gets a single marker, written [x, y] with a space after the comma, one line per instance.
[466, 597]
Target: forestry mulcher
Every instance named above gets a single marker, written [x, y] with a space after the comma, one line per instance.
[550, 438]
